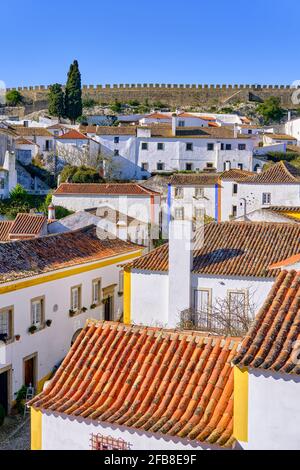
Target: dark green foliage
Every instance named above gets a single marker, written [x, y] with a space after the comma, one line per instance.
[13, 98]
[2, 415]
[279, 156]
[82, 174]
[116, 107]
[56, 101]
[43, 174]
[73, 93]
[89, 103]
[20, 399]
[133, 103]
[270, 110]
[159, 105]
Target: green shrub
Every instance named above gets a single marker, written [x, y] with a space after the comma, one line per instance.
[89, 103]
[279, 156]
[20, 399]
[82, 174]
[270, 110]
[13, 98]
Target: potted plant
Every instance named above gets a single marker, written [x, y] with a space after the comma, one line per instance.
[32, 329]
[84, 309]
[48, 323]
[17, 337]
[72, 313]
[93, 306]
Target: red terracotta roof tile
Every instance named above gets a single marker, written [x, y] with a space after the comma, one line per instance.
[72, 135]
[193, 179]
[32, 131]
[281, 172]
[286, 262]
[168, 382]
[236, 174]
[27, 224]
[280, 136]
[234, 249]
[5, 226]
[125, 189]
[272, 343]
[27, 258]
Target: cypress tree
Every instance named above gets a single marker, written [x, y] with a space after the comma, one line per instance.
[56, 105]
[73, 95]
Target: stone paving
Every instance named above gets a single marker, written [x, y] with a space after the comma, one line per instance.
[15, 434]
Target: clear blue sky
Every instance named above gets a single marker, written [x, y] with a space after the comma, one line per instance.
[160, 41]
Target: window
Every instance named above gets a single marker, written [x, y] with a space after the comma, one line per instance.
[210, 147]
[2, 183]
[209, 165]
[6, 323]
[144, 146]
[178, 193]
[121, 281]
[96, 292]
[189, 147]
[37, 311]
[234, 188]
[266, 198]
[76, 298]
[249, 131]
[179, 213]
[242, 146]
[145, 166]
[228, 147]
[202, 306]
[116, 140]
[240, 166]
[160, 166]
[116, 152]
[234, 211]
[160, 146]
[181, 123]
[199, 213]
[99, 442]
[227, 165]
[222, 146]
[237, 303]
[199, 192]
[188, 167]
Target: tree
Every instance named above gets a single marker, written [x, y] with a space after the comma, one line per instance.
[13, 98]
[18, 194]
[56, 101]
[82, 174]
[73, 93]
[270, 110]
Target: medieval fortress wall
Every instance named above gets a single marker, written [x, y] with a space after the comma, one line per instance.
[170, 94]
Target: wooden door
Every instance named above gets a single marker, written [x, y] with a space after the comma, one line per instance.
[29, 372]
[4, 390]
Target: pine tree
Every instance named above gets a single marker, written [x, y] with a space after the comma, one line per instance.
[56, 105]
[73, 95]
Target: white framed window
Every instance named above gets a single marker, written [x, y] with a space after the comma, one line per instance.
[202, 303]
[199, 213]
[145, 166]
[160, 146]
[37, 311]
[234, 188]
[160, 166]
[144, 146]
[179, 213]
[199, 193]
[237, 306]
[96, 285]
[76, 298]
[266, 198]
[178, 193]
[188, 167]
[181, 123]
[6, 323]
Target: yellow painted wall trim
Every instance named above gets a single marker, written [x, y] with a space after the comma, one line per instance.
[294, 215]
[63, 274]
[127, 296]
[36, 429]
[240, 411]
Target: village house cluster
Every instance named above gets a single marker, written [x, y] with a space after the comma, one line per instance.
[163, 312]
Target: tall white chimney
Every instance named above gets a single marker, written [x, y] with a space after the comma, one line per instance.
[174, 124]
[235, 131]
[51, 212]
[180, 267]
[289, 115]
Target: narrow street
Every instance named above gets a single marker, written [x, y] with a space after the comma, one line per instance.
[15, 434]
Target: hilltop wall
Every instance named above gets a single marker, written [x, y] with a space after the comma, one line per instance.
[170, 94]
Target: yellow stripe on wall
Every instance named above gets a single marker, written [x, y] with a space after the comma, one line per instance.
[240, 413]
[127, 296]
[64, 274]
[36, 429]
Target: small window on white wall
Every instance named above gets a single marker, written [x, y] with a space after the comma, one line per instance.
[76, 298]
[96, 292]
[266, 198]
[37, 311]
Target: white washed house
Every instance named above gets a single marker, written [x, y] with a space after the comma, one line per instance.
[49, 287]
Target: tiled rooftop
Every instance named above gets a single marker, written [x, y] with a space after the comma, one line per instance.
[195, 179]
[234, 249]
[5, 227]
[167, 382]
[72, 135]
[32, 131]
[272, 342]
[27, 258]
[125, 189]
[281, 172]
[27, 224]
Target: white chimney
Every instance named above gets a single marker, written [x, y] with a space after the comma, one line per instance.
[174, 124]
[259, 170]
[51, 212]
[180, 267]
[235, 131]
[289, 115]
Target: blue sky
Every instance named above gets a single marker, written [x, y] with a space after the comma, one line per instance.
[160, 41]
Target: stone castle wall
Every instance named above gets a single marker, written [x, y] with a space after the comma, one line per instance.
[170, 94]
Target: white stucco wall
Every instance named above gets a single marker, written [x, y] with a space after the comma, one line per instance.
[189, 203]
[53, 343]
[60, 432]
[149, 298]
[274, 411]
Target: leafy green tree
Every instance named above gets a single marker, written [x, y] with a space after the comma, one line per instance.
[82, 174]
[270, 110]
[116, 107]
[73, 93]
[18, 195]
[13, 98]
[56, 100]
